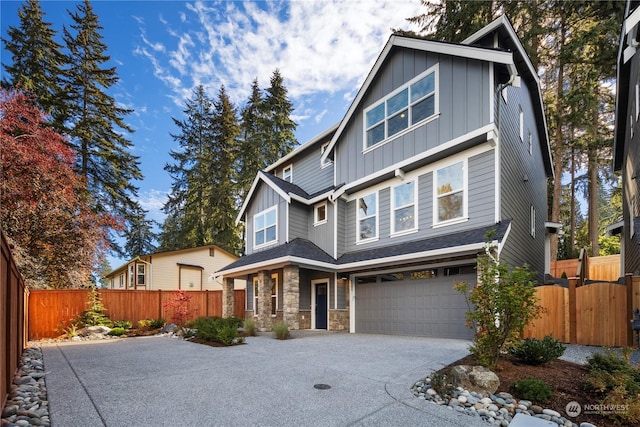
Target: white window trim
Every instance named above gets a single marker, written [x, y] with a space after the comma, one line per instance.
[284, 173]
[328, 162]
[465, 194]
[637, 101]
[132, 276]
[271, 242]
[140, 267]
[532, 221]
[121, 280]
[317, 222]
[415, 210]
[274, 279]
[530, 143]
[377, 216]
[436, 109]
[521, 119]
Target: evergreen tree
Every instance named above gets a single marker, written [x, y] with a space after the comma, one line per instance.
[201, 208]
[250, 156]
[95, 123]
[277, 127]
[139, 234]
[36, 58]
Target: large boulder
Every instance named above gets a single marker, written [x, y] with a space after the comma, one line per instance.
[95, 332]
[474, 378]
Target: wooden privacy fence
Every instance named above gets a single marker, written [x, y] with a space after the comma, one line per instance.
[593, 314]
[52, 310]
[13, 306]
[605, 268]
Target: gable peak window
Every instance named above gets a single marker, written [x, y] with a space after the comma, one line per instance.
[265, 227]
[403, 108]
[521, 119]
[327, 161]
[287, 173]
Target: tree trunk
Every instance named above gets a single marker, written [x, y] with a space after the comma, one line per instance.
[557, 155]
[572, 213]
[593, 185]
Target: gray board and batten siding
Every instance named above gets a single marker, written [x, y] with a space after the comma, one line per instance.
[264, 198]
[481, 209]
[523, 182]
[463, 92]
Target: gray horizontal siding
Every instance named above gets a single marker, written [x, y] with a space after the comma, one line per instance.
[307, 173]
[299, 221]
[322, 235]
[481, 209]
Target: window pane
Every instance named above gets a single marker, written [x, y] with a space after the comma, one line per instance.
[403, 194]
[368, 228]
[367, 206]
[271, 233]
[270, 218]
[321, 213]
[375, 135]
[450, 178]
[423, 109]
[259, 222]
[397, 102]
[375, 115]
[398, 123]
[404, 219]
[450, 206]
[422, 87]
[259, 237]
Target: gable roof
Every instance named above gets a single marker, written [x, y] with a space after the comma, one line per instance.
[287, 190]
[403, 41]
[303, 252]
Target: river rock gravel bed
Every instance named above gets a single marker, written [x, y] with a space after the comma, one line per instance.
[27, 403]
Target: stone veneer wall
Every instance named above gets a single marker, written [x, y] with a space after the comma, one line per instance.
[304, 323]
[264, 320]
[291, 296]
[338, 320]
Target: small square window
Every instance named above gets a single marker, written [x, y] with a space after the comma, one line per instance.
[533, 221]
[320, 214]
[521, 125]
[326, 161]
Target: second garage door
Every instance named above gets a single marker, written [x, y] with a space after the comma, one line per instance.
[422, 307]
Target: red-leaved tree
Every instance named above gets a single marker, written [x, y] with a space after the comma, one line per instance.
[45, 208]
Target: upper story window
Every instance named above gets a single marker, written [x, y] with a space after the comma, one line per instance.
[403, 202]
[320, 214]
[265, 227]
[530, 144]
[327, 161]
[141, 274]
[287, 173]
[403, 108]
[132, 269]
[532, 220]
[450, 186]
[121, 281]
[367, 217]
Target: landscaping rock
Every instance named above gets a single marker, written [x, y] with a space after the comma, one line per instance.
[475, 378]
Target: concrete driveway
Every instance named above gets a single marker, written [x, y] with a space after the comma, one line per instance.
[162, 381]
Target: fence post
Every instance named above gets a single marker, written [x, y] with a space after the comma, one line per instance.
[628, 282]
[573, 333]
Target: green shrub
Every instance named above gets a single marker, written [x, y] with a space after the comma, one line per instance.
[144, 324]
[216, 329]
[94, 314]
[535, 352]
[124, 324]
[532, 389]
[157, 323]
[280, 330]
[250, 327]
[116, 332]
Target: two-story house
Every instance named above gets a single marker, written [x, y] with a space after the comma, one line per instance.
[189, 269]
[626, 151]
[368, 226]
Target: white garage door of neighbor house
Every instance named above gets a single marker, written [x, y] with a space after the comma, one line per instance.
[412, 304]
[190, 279]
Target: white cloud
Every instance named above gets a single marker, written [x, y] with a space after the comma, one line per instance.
[319, 46]
[152, 201]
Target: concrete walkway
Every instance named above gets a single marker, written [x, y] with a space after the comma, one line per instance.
[162, 381]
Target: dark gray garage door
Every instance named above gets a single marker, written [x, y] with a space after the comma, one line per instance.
[426, 307]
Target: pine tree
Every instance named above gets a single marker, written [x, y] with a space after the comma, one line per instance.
[139, 234]
[277, 128]
[95, 123]
[250, 157]
[36, 58]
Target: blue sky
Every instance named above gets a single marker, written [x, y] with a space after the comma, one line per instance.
[163, 49]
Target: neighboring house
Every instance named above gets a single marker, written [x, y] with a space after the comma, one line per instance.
[368, 226]
[192, 269]
[626, 151]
